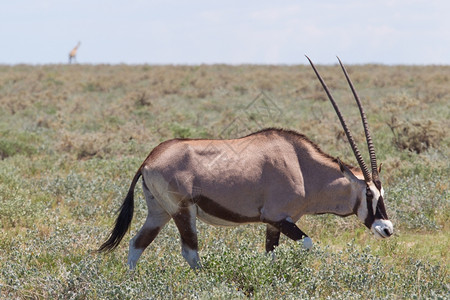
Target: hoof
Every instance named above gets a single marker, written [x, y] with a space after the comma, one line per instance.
[307, 243]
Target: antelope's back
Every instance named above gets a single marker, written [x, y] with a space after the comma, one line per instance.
[241, 173]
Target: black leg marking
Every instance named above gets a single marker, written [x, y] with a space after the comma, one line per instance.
[145, 237]
[289, 229]
[272, 237]
[184, 222]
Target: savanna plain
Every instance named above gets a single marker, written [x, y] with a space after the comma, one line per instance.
[72, 137]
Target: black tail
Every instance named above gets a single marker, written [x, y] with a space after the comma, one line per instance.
[123, 221]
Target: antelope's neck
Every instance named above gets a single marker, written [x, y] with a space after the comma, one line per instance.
[336, 195]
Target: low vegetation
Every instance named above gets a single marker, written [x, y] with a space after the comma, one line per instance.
[71, 138]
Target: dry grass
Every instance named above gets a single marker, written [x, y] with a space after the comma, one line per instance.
[72, 136]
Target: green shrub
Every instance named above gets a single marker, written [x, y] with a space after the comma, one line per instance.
[17, 144]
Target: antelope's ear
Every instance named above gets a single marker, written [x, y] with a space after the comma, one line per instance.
[379, 168]
[346, 171]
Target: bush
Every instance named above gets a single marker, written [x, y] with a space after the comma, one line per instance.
[416, 136]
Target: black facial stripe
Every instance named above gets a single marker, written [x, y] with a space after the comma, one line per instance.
[378, 214]
[381, 210]
[370, 215]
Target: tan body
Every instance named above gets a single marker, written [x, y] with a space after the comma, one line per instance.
[272, 176]
[252, 182]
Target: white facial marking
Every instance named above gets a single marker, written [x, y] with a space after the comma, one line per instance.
[376, 196]
[362, 209]
[375, 203]
[382, 228]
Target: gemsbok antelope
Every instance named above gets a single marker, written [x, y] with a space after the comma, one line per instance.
[272, 176]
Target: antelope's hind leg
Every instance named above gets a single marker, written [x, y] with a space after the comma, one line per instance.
[185, 219]
[157, 217]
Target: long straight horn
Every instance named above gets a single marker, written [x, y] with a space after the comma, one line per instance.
[373, 159]
[358, 156]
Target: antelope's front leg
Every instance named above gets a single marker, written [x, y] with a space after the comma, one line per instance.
[272, 237]
[289, 229]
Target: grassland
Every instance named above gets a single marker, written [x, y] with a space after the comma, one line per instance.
[71, 138]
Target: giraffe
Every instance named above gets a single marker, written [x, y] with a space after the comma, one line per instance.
[73, 53]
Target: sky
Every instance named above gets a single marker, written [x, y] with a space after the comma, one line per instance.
[226, 32]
